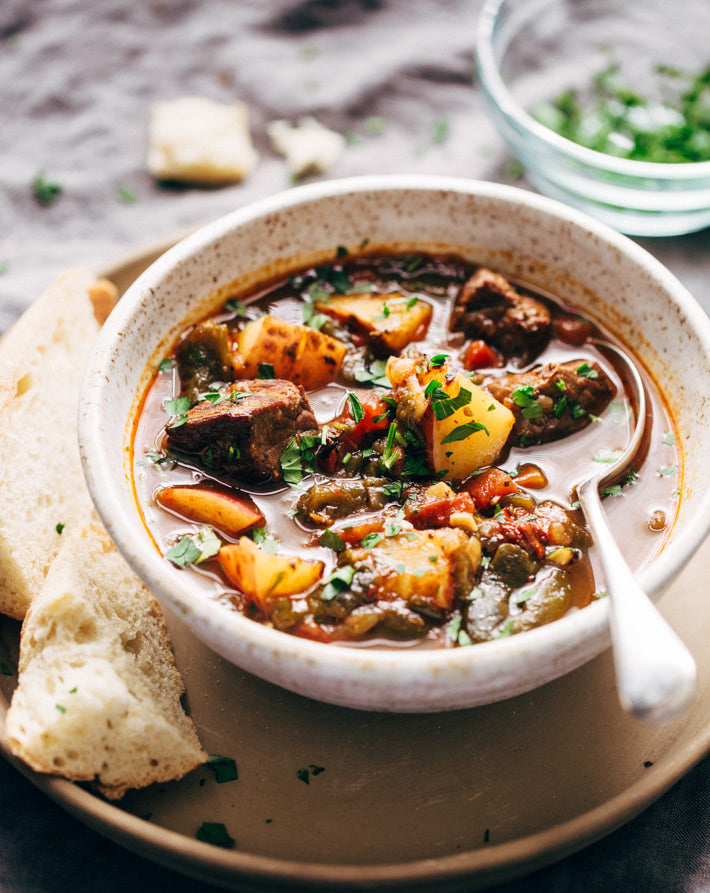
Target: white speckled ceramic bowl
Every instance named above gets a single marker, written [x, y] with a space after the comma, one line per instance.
[520, 234]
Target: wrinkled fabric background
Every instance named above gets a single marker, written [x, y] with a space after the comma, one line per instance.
[77, 81]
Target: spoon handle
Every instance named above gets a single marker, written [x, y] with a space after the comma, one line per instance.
[655, 672]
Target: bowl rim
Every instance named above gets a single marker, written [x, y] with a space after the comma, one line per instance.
[498, 93]
[400, 666]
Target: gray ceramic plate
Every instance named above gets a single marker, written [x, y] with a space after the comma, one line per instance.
[330, 798]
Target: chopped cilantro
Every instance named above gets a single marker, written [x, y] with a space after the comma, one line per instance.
[216, 834]
[265, 370]
[194, 549]
[224, 768]
[165, 365]
[338, 581]
[297, 459]
[608, 458]
[45, 192]
[60, 527]
[586, 371]
[331, 540]
[126, 195]
[184, 553]
[393, 490]
[374, 375]
[667, 471]
[669, 439]
[524, 396]
[612, 490]
[463, 431]
[177, 408]
[370, 540]
[440, 130]
[560, 406]
[356, 410]
[442, 404]
[239, 308]
[390, 454]
[522, 597]
[266, 540]
[507, 630]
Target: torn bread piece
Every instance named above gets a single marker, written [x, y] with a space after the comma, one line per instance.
[42, 488]
[309, 147]
[98, 697]
[197, 140]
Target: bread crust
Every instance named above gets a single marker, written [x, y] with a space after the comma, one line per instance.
[42, 360]
[98, 697]
[98, 694]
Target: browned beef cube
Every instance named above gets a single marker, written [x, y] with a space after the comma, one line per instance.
[553, 400]
[489, 308]
[246, 433]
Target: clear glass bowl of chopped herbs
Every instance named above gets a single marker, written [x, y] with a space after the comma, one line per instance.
[606, 103]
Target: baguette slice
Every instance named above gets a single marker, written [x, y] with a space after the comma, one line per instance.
[42, 360]
[98, 697]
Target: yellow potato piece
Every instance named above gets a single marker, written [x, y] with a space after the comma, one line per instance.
[263, 576]
[468, 439]
[318, 359]
[297, 353]
[456, 447]
[393, 319]
[421, 563]
[227, 512]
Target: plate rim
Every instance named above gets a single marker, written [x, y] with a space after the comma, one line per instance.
[239, 870]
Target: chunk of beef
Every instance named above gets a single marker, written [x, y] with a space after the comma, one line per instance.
[204, 356]
[552, 400]
[245, 433]
[490, 309]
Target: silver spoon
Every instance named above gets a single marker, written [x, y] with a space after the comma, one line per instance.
[655, 672]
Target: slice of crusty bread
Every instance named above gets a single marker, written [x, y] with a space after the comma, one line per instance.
[98, 697]
[42, 360]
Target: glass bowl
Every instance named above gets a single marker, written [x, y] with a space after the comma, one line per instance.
[531, 52]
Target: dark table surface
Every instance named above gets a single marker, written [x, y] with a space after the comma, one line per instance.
[77, 81]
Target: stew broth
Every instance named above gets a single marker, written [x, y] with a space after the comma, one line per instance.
[366, 518]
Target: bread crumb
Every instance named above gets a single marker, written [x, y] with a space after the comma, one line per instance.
[309, 147]
[197, 140]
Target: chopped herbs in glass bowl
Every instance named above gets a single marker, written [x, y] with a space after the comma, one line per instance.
[670, 126]
[605, 104]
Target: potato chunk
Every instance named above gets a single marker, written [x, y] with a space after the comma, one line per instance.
[297, 353]
[392, 320]
[464, 426]
[264, 576]
[423, 566]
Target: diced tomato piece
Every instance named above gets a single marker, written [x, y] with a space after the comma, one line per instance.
[479, 355]
[437, 512]
[489, 487]
[309, 629]
[352, 535]
[374, 419]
